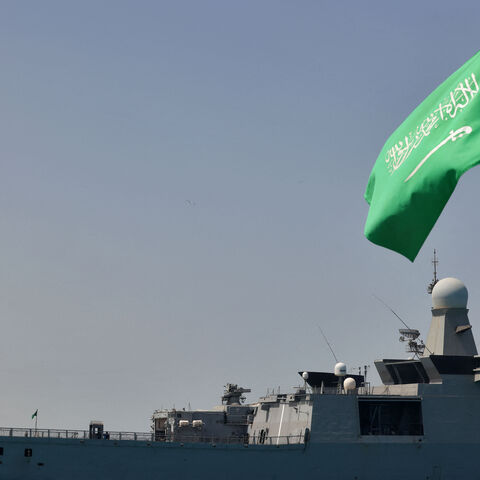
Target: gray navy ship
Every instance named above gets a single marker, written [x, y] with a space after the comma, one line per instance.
[422, 423]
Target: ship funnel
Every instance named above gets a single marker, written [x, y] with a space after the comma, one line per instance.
[450, 331]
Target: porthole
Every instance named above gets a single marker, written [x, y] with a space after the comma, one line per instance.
[28, 452]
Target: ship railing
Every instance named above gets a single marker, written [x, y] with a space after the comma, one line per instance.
[151, 437]
[280, 440]
[73, 434]
[364, 389]
[235, 439]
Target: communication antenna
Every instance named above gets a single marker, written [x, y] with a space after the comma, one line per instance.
[391, 309]
[329, 346]
[407, 334]
[435, 279]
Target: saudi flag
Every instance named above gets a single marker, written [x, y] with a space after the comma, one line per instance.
[35, 414]
[421, 163]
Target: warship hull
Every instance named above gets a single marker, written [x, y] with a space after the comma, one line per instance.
[372, 460]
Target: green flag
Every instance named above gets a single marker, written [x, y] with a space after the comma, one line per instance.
[422, 161]
[35, 414]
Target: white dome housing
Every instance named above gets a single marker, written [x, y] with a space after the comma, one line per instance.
[349, 384]
[340, 369]
[449, 293]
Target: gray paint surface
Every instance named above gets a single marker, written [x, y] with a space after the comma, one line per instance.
[443, 337]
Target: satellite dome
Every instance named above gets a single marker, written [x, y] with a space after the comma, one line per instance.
[449, 293]
[340, 369]
[349, 384]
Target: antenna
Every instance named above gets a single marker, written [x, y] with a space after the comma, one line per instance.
[329, 346]
[435, 279]
[409, 335]
[391, 309]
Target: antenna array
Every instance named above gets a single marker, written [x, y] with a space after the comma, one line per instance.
[435, 279]
[407, 334]
[410, 336]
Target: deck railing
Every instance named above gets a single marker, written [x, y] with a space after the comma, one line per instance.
[364, 389]
[151, 437]
[73, 434]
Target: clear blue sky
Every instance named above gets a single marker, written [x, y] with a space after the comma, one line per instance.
[182, 196]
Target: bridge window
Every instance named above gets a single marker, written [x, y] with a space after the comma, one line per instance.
[390, 417]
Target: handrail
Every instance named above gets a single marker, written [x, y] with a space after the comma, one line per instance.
[151, 437]
[72, 434]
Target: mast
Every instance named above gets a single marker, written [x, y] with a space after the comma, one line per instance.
[435, 279]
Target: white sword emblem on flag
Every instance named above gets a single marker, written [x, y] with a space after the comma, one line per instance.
[454, 135]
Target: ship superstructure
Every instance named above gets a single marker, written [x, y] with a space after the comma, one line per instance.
[227, 422]
[421, 423]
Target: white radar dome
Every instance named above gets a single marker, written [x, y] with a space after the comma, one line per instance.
[340, 369]
[305, 375]
[349, 384]
[449, 293]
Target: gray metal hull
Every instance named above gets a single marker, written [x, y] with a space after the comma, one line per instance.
[54, 459]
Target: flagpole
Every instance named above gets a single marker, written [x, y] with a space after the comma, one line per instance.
[36, 421]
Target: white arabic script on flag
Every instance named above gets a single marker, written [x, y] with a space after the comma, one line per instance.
[458, 99]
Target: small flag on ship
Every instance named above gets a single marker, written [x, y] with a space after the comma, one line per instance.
[35, 414]
[422, 161]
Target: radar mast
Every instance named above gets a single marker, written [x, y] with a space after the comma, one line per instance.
[435, 279]
[409, 335]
